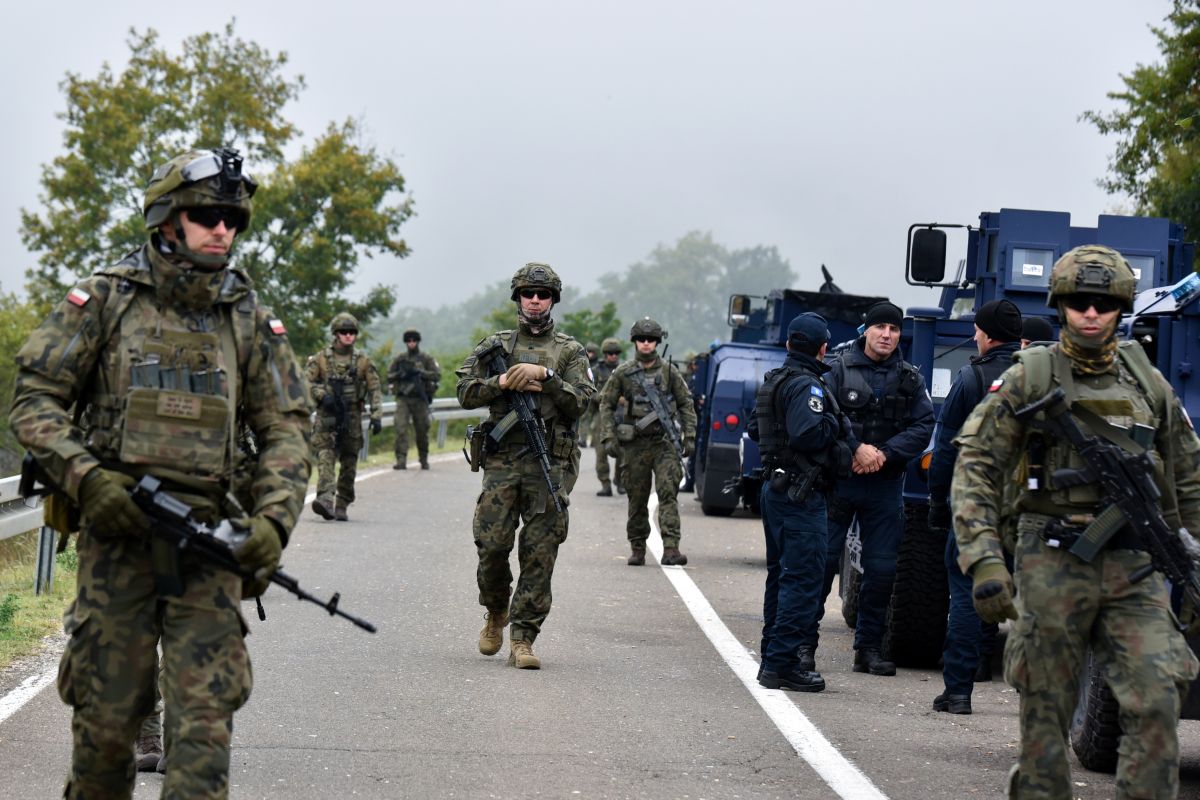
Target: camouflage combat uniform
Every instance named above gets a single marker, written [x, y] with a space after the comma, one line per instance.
[649, 456]
[1066, 605]
[514, 490]
[413, 377]
[82, 356]
[337, 463]
[601, 372]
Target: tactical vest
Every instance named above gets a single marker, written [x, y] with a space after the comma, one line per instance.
[983, 373]
[1128, 397]
[639, 403]
[353, 370]
[161, 393]
[520, 348]
[773, 441]
[876, 419]
[601, 373]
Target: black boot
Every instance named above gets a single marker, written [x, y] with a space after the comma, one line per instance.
[953, 703]
[869, 659]
[807, 658]
[796, 681]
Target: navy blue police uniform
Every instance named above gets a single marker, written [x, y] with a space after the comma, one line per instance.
[797, 425]
[888, 407]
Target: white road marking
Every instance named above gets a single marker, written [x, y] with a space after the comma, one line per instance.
[835, 769]
[25, 691]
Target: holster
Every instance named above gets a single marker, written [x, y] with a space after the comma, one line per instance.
[625, 433]
[473, 446]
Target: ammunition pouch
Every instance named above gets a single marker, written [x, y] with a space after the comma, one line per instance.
[179, 430]
[62, 514]
[626, 433]
[562, 446]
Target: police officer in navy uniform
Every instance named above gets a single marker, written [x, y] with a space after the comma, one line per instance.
[891, 418]
[797, 426]
[998, 333]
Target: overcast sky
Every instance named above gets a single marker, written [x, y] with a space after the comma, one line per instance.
[586, 133]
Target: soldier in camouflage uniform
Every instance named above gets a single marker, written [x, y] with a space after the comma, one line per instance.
[413, 377]
[553, 367]
[601, 373]
[146, 368]
[1063, 604]
[586, 422]
[342, 381]
[640, 442]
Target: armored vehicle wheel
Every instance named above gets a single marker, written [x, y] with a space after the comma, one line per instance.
[850, 577]
[715, 511]
[1095, 726]
[916, 617]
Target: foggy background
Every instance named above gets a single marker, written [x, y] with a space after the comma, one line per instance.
[585, 134]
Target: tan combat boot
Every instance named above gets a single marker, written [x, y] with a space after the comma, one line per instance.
[492, 635]
[637, 557]
[339, 513]
[671, 557]
[149, 750]
[520, 655]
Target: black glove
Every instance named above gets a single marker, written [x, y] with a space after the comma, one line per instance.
[329, 403]
[376, 426]
[104, 501]
[939, 516]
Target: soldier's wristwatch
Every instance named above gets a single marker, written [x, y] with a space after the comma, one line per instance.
[549, 374]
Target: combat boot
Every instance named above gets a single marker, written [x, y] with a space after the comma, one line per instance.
[149, 751]
[425, 462]
[795, 681]
[953, 703]
[637, 557]
[671, 557]
[492, 635]
[399, 465]
[322, 510]
[869, 659]
[605, 490]
[339, 513]
[806, 658]
[520, 655]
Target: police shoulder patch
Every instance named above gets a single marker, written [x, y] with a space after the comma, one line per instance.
[816, 405]
[996, 384]
[816, 390]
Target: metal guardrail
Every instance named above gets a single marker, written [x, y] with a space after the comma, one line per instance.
[18, 515]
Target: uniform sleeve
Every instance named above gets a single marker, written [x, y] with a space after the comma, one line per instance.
[912, 441]
[393, 374]
[375, 391]
[989, 445]
[810, 426]
[275, 400]
[571, 389]
[53, 366]
[1177, 443]
[608, 404]
[432, 371]
[315, 379]
[941, 468]
[683, 403]
[474, 388]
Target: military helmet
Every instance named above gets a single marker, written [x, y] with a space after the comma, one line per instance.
[1092, 269]
[411, 336]
[647, 327]
[610, 345]
[537, 276]
[592, 347]
[196, 179]
[344, 322]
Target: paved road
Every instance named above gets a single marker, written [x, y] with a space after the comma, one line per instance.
[634, 699]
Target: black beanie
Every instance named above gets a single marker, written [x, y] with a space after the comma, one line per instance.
[1037, 329]
[884, 312]
[1000, 320]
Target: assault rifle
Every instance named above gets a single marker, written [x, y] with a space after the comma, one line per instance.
[341, 409]
[1126, 480]
[661, 412]
[524, 408]
[215, 543]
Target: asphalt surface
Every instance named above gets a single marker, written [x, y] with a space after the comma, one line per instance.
[633, 699]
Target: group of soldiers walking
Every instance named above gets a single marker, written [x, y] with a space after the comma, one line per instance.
[165, 364]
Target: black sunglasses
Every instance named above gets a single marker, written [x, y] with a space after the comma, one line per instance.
[209, 216]
[540, 294]
[1082, 302]
[645, 338]
[348, 332]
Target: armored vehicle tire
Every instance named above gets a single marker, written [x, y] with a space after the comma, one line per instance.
[916, 617]
[849, 579]
[1095, 726]
[716, 511]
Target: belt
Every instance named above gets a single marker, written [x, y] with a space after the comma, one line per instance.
[1060, 535]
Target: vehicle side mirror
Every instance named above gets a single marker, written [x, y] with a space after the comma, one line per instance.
[927, 263]
[739, 310]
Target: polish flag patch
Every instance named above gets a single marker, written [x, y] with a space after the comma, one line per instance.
[78, 297]
[277, 327]
[996, 384]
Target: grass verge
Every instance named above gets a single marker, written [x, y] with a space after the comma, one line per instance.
[26, 618]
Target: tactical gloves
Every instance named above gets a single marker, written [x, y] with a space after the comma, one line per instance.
[993, 592]
[104, 501]
[376, 426]
[329, 403]
[689, 446]
[613, 448]
[260, 552]
[524, 377]
[939, 516]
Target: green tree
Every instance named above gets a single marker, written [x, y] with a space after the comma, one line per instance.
[1157, 157]
[313, 218]
[17, 319]
[587, 325]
